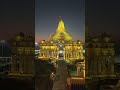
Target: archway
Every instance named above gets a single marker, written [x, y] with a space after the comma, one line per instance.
[61, 52]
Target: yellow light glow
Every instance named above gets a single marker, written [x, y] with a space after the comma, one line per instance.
[61, 26]
[77, 78]
[42, 41]
[84, 73]
[61, 33]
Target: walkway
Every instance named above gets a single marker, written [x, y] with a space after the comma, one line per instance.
[60, 82]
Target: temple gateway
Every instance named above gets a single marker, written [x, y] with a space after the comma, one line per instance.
[61, 46]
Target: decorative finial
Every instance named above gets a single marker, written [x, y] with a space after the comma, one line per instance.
[59, 18]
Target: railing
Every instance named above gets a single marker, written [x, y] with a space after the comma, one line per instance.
[78, 87]
[5, 64]
[75, 83]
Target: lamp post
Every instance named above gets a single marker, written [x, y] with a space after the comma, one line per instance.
[36, 44]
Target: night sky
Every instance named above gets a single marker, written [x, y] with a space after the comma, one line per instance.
[103, 16]
[100, 16]
[48, 11]
[16, 16]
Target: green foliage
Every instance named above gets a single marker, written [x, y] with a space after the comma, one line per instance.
[43, 67]
[72, 67]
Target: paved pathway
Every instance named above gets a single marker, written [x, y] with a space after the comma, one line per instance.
[60, 82]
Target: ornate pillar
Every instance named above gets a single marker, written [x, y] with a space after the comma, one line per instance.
[76, 53]
[55, 53]
[64, 54]
[71, 54]
[68, 55]
[47, 54]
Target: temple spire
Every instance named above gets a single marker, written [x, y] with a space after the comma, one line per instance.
[61, 32]
[61, 26]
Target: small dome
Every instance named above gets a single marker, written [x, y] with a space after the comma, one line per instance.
[95, 39]
[105, 37]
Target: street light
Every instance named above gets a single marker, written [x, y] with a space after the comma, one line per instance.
[36, 43]
[83, 50]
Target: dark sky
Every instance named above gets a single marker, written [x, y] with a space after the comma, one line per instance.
[103, 16]
[71, 11]
[100, 16]
[16, 16]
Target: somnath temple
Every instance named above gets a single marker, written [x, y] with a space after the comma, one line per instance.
[60, 44]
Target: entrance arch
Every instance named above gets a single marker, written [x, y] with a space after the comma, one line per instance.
[61, 51]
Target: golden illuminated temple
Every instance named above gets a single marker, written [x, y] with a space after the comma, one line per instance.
[60, 44]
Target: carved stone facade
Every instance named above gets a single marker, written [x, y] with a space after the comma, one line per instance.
[99, 56]
[22, 55]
